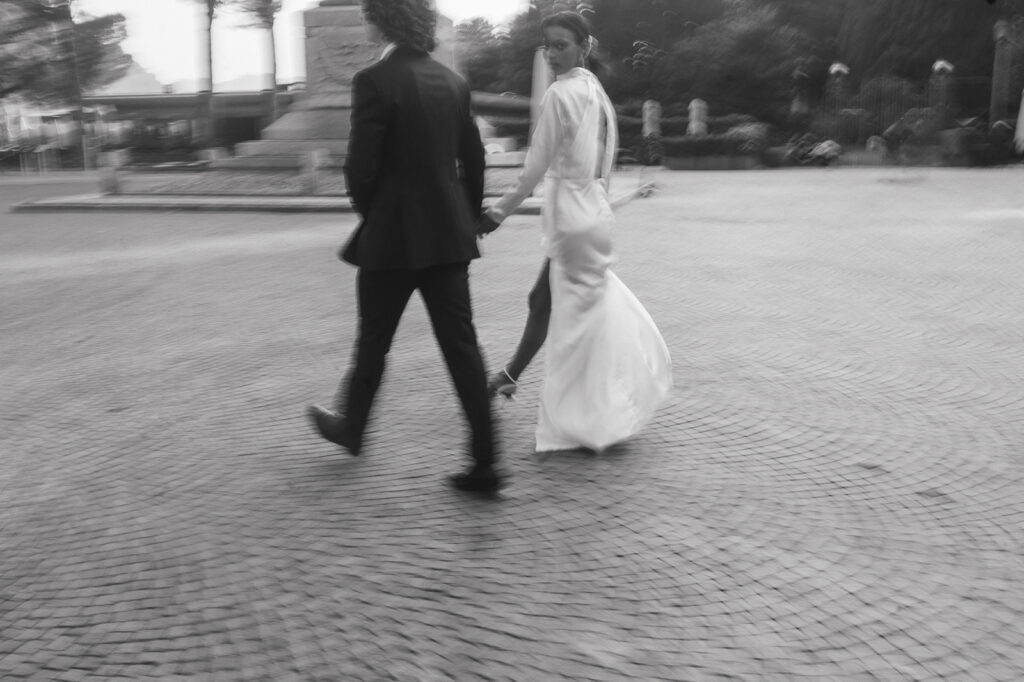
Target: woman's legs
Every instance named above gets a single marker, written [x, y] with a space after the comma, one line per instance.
[536, 329]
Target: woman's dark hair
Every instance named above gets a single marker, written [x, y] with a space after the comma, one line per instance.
[580, 28]
[407, 23]
[571, 21]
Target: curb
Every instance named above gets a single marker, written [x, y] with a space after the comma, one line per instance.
[195, 202]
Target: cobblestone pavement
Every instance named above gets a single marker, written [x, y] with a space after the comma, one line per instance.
[265, 183]
[834, 492]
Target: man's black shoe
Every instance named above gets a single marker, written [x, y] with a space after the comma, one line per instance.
[333, 427]
[479, 480]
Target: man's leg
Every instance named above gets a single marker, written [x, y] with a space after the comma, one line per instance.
[536, 330]
[382, 297]
[445, 291]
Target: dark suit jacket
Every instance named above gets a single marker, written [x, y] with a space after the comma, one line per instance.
[415, 166]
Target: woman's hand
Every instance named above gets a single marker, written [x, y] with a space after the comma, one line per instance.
[646, 189]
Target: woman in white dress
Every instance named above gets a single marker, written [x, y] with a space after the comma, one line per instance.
[607, 368]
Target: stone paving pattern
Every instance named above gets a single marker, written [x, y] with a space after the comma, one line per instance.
[835, 490]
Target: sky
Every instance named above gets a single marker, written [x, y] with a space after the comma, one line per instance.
[165, 36]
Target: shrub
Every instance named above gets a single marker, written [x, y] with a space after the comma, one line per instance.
[629, 126]
[756, 135]
[702, 145]
[745, 139]
[653, 150]
[674, 125]
[511, 126]
[718, 125]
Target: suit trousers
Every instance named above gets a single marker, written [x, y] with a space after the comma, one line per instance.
[383, 296]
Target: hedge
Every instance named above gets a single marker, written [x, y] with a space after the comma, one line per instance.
[713, 145]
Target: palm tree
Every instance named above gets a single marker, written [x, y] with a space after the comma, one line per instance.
[264, 13]
[211, 11]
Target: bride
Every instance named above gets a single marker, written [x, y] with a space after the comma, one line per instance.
[607, 368]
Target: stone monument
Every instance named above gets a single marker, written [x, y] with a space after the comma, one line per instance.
[337, 47]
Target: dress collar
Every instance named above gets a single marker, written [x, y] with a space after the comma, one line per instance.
[571, 73]
[388, 49]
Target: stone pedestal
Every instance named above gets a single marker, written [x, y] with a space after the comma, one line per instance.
[336, 48]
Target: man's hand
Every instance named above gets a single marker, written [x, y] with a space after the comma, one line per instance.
[484, 225]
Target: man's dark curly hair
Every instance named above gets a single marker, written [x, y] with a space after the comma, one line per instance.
[407, 23]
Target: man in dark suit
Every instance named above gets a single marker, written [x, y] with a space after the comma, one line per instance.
[415, 171]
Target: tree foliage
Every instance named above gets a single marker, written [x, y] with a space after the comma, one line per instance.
[740, 63]
[211, 7]
[905, 37]
[46, 57]
[741, 55]
[264, 12]
[480, 54]
[264, 15]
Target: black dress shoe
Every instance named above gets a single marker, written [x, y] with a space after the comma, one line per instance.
[478, 480]
[333, 427]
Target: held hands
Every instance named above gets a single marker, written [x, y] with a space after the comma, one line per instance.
[644, 190]
[484, 226]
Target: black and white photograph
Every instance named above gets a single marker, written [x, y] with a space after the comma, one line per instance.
[511, 340]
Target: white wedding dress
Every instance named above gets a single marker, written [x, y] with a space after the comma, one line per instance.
[607, 368]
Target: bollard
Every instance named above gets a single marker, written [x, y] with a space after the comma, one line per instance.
[213, 154]
[653, 150]
[313, 165]
[110, 183]
[698, 121]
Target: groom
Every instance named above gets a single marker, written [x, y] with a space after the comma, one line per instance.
[415, 175]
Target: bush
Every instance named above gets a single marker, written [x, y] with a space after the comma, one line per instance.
[629, 126]
[741, 139]
[674, 125]
[511, 126]
[653, 150]
[703, 145]
[631, 130]
[755, 134]
[718, 125]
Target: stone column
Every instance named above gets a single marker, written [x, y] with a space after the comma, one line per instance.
[999, 107]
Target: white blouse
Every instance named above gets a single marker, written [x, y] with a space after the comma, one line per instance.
[561, 111]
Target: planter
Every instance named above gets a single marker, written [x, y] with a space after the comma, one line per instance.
[712, 162]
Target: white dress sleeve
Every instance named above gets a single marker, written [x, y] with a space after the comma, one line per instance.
[544, 146]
